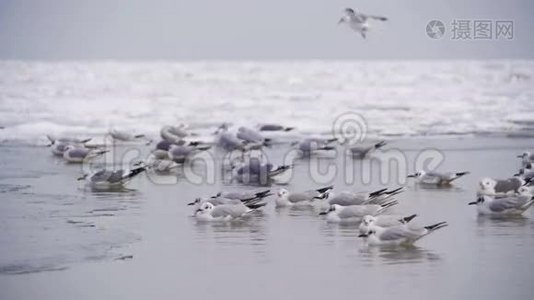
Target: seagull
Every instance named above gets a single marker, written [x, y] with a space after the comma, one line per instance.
[358, 21]
[180, 154]
[161, 165]
[252, 203]
[383, 221]
[75, 154]
[124, 136]
[173, 133]
[363, 151]
[274, 127]
[526, 157]
[228, 141]
[59, 145]
[224, 212]
[526, 173]
[251, 136]
[255, 171]
[354, 213]
[349, 198]
[398, 235]
[507, 205]
[310, 146]
[499, 187]
[66, 140]
[244, 195]
[106, 179]
[435, 178]
[285, 198]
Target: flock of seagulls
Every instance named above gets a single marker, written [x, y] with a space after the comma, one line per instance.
[370, 211]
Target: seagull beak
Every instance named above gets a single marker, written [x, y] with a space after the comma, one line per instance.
[323, 213]
[363, 235]
[520, 156]
[198, 210]
[190, 203]
[81, 178]
[340, 21]
[472, 203]
[411, 176]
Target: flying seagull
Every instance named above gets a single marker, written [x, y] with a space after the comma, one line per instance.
[358, 21]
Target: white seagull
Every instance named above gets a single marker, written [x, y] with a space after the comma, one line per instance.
[398, 235]
[435, 178]
[383, 221]
[224, 212]
[107, 179]
[285, 198]
[358, 21]
[354, 213]
[510, 205]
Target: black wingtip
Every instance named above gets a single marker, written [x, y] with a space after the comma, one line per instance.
[380, 144]
[256, 205]
[325, 189]
[289, 128]
[409, 218]
[377, 193]
[395, 191]
[436, 226]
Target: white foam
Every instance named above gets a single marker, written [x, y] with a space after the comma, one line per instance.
[396, 98]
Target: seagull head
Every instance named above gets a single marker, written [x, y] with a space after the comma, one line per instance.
[524, 191]
[368, 220]
[205, 208]
[487, 184]
[282, 193]
[525, 155]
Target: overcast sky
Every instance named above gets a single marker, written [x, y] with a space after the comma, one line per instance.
[249, 29]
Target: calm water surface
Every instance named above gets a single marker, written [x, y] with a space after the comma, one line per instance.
[58, 241]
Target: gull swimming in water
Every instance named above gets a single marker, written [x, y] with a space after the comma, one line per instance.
[174, 133]
[251, 136]
[285, 198]
[224, 212]
[499, 187]
[349, 198]
[361, 151]
[274, 127]
[506, 205]
[75, 154]
[311, 146]
[355, 213]
[66, 140]
[244, 195]
[398, 235]
[436, 178]
[358, 21]
[106, 179]
[124, 136]
[59, 145]
[180, 154]
[383, 221]
[255, 171]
